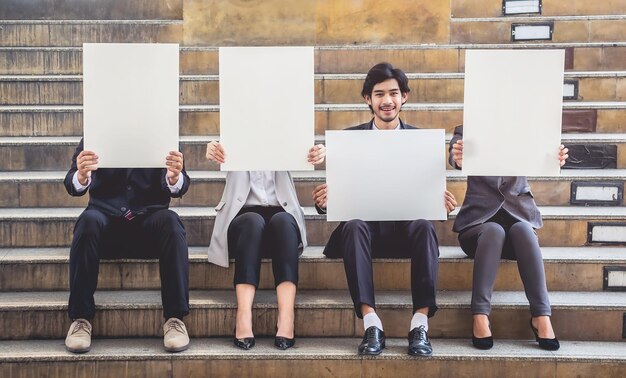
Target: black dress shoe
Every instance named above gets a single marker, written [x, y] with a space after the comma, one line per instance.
[283, 342]
[547, 344]
[373, 342]
[419, 345]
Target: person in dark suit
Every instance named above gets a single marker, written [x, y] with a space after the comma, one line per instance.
[498, 219]
[385, 90]
[128, 216]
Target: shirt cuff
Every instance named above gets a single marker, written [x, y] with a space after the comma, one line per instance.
[176, 187]
[77, 185]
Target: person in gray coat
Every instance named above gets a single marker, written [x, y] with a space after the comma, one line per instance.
[259, 216]
[497, 220]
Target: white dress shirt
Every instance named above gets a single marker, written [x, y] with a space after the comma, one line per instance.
[262, 189]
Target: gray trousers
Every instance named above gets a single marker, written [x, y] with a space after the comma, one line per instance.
[488, 242]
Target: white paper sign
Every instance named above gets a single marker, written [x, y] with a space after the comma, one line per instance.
[382, 175]
[512, 112]
[130, 103]
[267, 115]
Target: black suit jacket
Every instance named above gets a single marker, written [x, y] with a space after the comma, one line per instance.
[334, 248]
[115, 190]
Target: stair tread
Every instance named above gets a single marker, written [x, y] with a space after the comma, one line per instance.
[306, 299]
[67, 213]
[607, 255]
[306, 348]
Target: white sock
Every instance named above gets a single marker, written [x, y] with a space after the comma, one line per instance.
[372, 319]
[418, 320]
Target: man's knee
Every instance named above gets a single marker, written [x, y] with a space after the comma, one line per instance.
[169, 222]
[355, 227]
[91, 222]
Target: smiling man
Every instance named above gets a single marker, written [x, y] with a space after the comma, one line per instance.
[385, 90]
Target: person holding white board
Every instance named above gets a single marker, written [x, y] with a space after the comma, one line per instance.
[259, 216]
[385, 90]
[498, 219]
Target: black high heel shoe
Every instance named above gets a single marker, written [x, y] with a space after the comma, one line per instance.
[245, 343]
[483, 343]
[284, 343]
[547, 344]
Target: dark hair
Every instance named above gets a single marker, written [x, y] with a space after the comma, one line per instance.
[382, 72]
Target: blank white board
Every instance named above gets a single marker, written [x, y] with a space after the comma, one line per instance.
[512, 112]
[382, 175]
[130, 103]
[267, 115]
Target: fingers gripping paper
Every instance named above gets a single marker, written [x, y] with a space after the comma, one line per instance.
[512, 112]
[130, 102]
[267, 115]
[385, 175]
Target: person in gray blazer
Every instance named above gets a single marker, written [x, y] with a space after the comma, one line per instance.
[497, 220]
[259, 216]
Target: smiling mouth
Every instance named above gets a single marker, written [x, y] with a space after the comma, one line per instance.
[387, 109]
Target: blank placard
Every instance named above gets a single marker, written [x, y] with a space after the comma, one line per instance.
[512, 112]
[385, 175]
[130, 103]
[267, 115]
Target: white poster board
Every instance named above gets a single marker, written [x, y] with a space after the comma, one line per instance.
[267, 115]
[130, 103]
[381, 175]
[512, 112]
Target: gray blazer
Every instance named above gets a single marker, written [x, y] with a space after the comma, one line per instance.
[234, 197]
[486, 195]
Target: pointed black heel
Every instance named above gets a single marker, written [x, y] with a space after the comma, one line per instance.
[547, 344]
[482, 343]
[245, 343]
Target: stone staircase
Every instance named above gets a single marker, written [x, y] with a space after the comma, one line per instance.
[41, 123]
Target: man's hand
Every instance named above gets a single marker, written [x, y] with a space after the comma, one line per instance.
[450, 201]
[563, 155]
[174, 162]
[215, 152]
[319, 196]
[317, 154]
[86, 162]
[457, 152]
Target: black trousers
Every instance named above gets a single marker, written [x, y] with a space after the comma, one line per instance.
[158, 235]
[264, 232]
[416, 240]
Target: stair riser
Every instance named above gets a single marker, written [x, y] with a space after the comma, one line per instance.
[493, 8]
[28, 123]
[77, 34]
[314, 322]
[564, 31]
[202, 92]
[29, 157]
[208, 193]
[84, 10]
[58, 233]
[205, 62]
[312, 275]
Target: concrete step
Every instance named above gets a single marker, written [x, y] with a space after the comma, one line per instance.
[82, 10]
[204, 119]
[311, 357]
[319, 313]
[37, 227]
[567, 269]
[45, 188]
[329, 89]
[55, 153]
[44, 33]
[340, 59]
[604, 28]
[493, 8]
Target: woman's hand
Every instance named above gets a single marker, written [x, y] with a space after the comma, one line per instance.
[215, 152]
